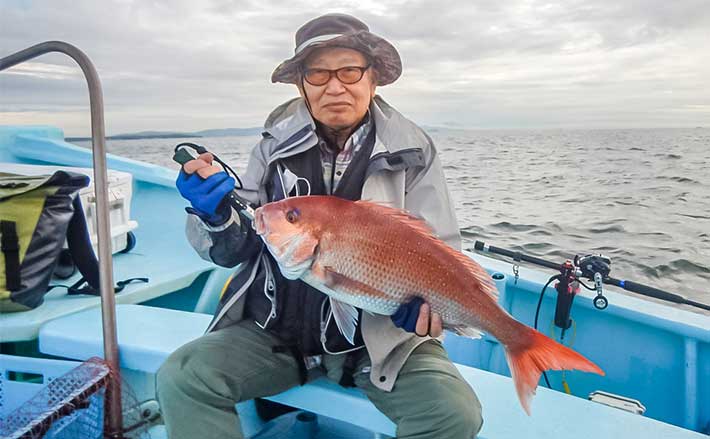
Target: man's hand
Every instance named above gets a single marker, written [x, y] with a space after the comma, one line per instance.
[207, 189]
[202, 165]
[416, 316]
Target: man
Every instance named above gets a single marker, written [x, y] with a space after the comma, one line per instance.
[339, 139]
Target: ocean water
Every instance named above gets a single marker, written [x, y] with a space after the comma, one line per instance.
[639, 196]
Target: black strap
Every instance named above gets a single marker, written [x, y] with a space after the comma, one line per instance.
[83, 287]
[10, 245]
[83, 256]
[353, 179]
[347, 379]
[80, 248]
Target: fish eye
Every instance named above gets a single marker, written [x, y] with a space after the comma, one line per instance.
[292, 215]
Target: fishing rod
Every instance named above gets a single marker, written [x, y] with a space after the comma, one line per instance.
[186, 151]
[595, 268]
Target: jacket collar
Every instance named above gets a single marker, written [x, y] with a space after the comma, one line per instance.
[288, 119]
[291, 123]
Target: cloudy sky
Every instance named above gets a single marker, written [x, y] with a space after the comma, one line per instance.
[198, 64]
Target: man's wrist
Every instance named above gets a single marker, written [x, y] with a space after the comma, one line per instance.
[215, 220]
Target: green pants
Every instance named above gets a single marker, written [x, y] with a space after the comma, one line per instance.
[199, 384]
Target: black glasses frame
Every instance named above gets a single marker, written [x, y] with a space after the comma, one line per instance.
[335, 72]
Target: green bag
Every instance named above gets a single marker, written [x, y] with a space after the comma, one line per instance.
[35, 217]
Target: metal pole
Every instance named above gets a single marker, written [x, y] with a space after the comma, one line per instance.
[114, 422]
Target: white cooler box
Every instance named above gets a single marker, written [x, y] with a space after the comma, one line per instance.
[120, 191]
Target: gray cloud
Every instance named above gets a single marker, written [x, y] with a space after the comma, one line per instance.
[194, 65]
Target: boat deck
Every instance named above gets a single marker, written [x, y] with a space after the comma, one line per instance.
[148, 335]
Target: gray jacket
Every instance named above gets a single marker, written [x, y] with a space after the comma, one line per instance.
[404, 171]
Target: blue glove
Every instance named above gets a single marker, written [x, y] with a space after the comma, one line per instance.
[407, 314]
[206, 195]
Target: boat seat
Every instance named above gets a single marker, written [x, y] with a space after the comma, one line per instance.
[147, 335]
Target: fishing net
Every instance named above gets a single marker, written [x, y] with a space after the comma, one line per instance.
[71, 406]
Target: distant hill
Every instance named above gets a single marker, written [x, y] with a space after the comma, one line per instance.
[140, 135]
[153, 135]
[223, 132]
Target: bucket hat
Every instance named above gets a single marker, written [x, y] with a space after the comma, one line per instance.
[340, 30]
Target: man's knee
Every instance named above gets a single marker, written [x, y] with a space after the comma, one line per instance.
[469, 419]
[461, 416]
[453, 413]
[188, 372]
[172, 374]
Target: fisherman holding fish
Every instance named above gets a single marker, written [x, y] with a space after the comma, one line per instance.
[271, 328]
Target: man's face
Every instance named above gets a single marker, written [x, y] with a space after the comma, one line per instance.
[335, 104]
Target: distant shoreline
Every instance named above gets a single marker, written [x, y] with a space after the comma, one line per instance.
[236, 132]
[220, 132]
[137, 137]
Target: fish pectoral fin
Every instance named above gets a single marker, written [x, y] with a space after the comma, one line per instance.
[337, 281]
[464, 331]
[346, 318]
[346, 315]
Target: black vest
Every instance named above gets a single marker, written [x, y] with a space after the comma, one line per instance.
[298, 313]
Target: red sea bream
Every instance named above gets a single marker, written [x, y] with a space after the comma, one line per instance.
[373, 257]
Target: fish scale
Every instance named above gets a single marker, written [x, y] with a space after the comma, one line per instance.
[399, 284]
[390, 264]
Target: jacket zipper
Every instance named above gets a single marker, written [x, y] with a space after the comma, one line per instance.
[269, 292]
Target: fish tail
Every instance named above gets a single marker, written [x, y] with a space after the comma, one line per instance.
[527, 360]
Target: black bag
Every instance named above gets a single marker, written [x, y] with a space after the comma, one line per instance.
[38, 214]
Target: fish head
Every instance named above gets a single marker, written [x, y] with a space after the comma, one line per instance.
[291, 230]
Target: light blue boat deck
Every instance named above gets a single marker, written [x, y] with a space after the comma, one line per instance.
[655, 353]
[146, 341]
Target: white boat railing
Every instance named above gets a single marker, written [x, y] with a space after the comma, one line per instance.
[114, 423]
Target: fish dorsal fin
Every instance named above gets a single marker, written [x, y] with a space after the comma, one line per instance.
[483, 279]
[346, 317]
[418, 225]
[401, 215]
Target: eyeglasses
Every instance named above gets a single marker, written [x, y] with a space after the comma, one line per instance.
[346, 75]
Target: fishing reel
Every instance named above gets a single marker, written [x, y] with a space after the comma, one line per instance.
[591, 264]
[595, 268]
